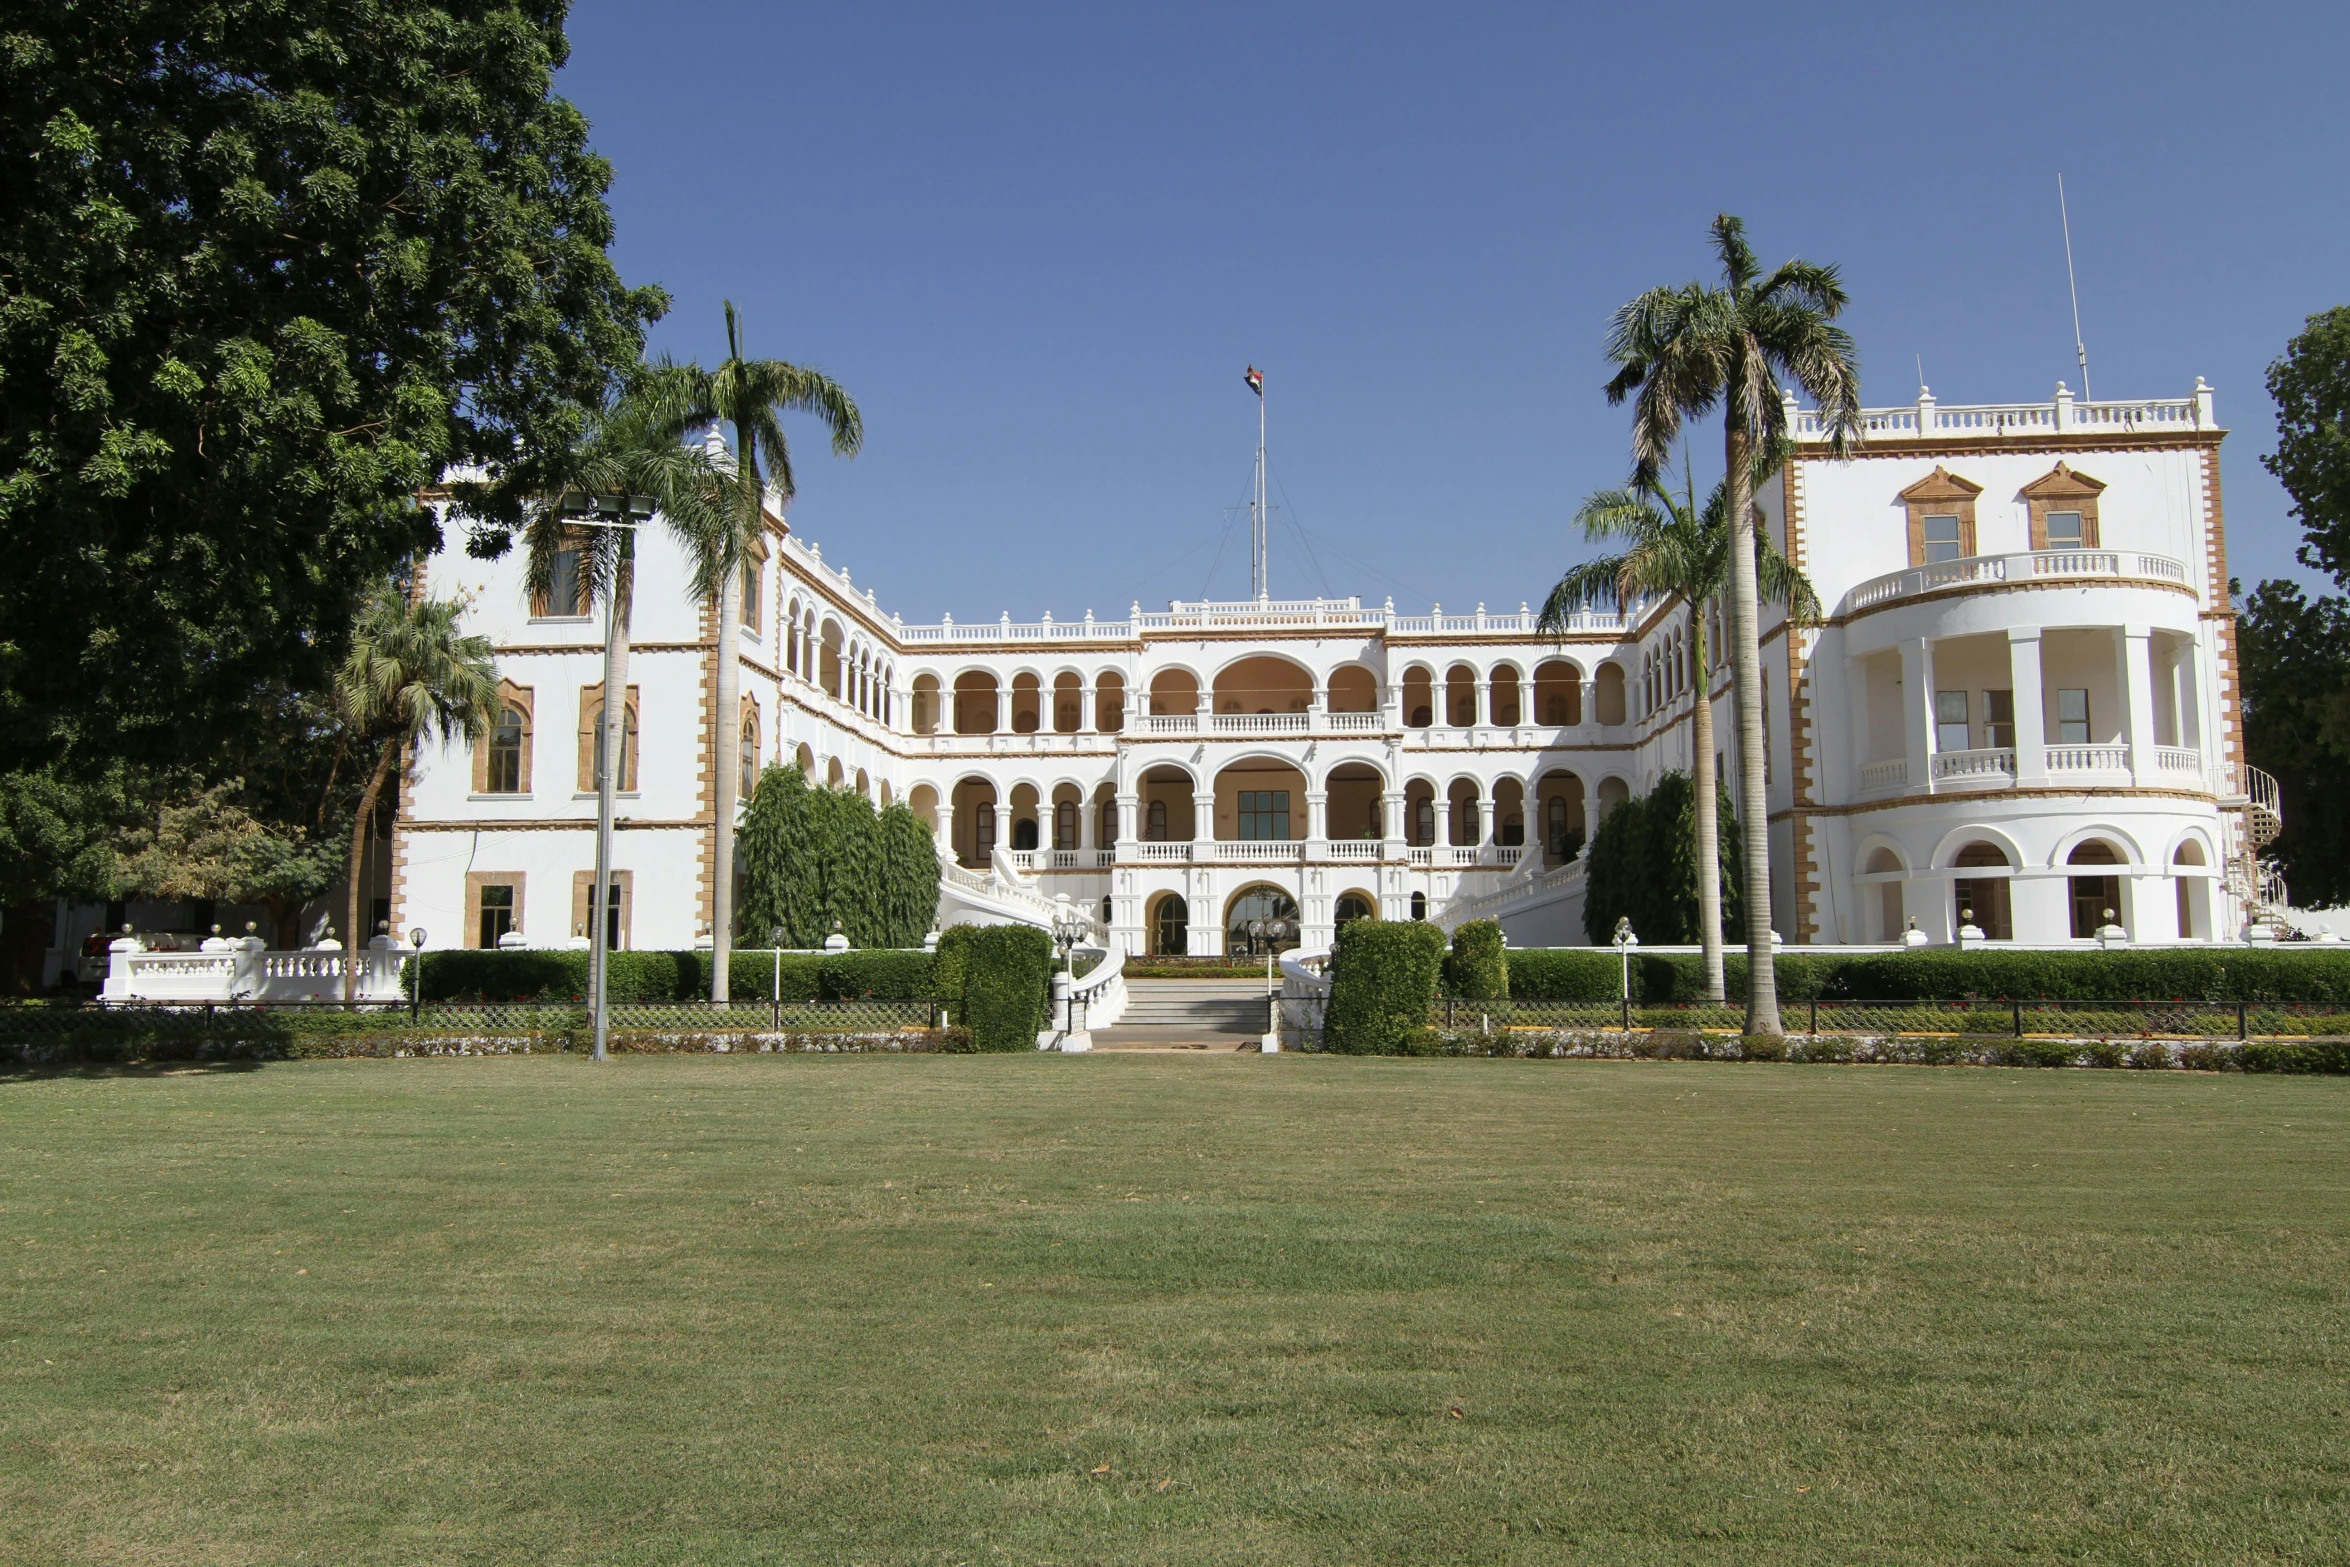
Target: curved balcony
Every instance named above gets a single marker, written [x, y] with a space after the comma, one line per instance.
[2030, 566]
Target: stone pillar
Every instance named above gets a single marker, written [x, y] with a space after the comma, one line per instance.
[1485, 819]
[1391, 816]
[1917, 710]
[1129, 825]
[2137, 683]
[2031, 707]
[1085, 814]
[946, 823]
[1317, 823]
[1203, 816]
[1484, 711]
[1587, 691]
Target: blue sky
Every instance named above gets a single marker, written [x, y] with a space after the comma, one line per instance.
[1040, 244]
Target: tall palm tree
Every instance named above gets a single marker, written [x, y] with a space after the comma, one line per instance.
[627, 459]
[1680, 351]
[409, 675]
[1672, 549]
[750, 398]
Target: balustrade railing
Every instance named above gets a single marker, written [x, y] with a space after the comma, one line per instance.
[1988, 766]
[1883, 777]
[2029, 565]
[2088, 758]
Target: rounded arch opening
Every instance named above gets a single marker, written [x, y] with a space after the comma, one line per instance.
[1167, 924]
[1264, 683]
[1258, 919]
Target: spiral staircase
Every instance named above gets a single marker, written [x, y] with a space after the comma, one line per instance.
[2255, 883]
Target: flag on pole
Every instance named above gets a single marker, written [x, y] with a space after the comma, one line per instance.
[1256, 382]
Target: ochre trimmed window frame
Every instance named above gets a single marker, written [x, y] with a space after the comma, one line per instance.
[754, 585]
[591, 712]
[541, 609]
[582, 883]
[1940, 493]
[749, 736]
[519, 698]
[2061, 489]
[474, 882]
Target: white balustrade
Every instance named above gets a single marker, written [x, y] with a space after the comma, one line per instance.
[2178, 759]
[2088, 758]
[1262, 723]
[1987, 767]
[1930, 421]
[2028, 566]
[1354, 850]
[1884, 777]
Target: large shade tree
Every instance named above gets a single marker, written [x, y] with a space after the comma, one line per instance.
[1673, 549]
[411, 674]
[1680, 353]
[267, 269]
[748, 398]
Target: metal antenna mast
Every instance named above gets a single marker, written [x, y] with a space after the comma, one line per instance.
[2079, 347]
[1260, 517]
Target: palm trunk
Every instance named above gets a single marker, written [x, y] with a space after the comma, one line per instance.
[609, 773]
[728, 751]
[352, 946]
[1709, 826]
[1762, 990]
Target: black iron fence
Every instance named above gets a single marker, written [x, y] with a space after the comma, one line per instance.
[66, 1023]
[2044, 1017]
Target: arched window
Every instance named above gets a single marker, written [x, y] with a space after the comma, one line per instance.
[1155, 822]
[503, 774]
[1419, 905]
[1352, 906]
[1170, 927]
[2096, 899]
[591, 740]
[1024, 833]
[983, 831]
[1260, 903]
[748, 762]
[1986, 898]
[1107, 834]
[1065, 825]
[1424, 823]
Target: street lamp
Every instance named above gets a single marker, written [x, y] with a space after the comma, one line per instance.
[416, 980]
[1069, 928]
[1625, 941]
[624, 513]
[775, 940]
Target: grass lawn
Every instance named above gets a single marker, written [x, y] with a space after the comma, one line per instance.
[1175, 1310]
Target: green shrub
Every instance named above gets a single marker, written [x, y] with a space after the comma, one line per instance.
[950, 967]
[2324, 1055]
[1007, 986]
[1383, 985]
[881, 975]
[1643, 865]
[2216, 974]
[1477, 969]
[816, 860]
[523, 975]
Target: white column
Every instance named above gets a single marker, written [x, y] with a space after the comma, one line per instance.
[1129, 825]
[1203, 816]
[2031, 706]
[1917, 710]
[1484, 713]
[1484, 818]
[2137, 655]
[1317, 823]
[946, 823]
[1589, 691]
[1391, 817]
[1085, 815]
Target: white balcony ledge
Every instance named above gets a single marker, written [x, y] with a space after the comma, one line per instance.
[2031, 566]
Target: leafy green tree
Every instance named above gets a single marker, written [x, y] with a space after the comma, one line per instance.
[268, 268]
[748, 398]
[1672, 550]
[1644, 867]
[410, 675]
[207, 843]
[1682, 351]
[2296, 675]
[908, 852]
[817, 860]
[2311, 385]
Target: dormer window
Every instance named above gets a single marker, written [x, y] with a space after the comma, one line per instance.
[1941, 511]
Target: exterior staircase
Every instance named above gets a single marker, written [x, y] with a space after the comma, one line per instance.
[1205, 1006]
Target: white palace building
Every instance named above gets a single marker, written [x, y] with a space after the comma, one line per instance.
[2022, 701]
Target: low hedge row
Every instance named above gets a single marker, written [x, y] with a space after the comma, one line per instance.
[2319, 976]
[752, 975]
[1477, 969]
[2321, 1056]
[382, 1042]
[1383, 976]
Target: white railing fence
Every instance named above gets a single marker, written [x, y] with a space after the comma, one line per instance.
[244, 970]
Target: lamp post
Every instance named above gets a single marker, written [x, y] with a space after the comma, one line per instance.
[416, 980]
[1069, 924]
[1625, 940]
[775, 940]
[625, 513]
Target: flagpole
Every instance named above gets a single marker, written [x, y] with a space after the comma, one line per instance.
[1264, 529]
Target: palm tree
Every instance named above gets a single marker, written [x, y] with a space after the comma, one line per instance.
[1675, 550]
[1683, 350]
[625, 467]
[408, 676]
[751, 396]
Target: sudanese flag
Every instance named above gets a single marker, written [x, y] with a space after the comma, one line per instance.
[1256, 382]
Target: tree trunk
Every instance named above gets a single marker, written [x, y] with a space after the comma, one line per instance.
[352, 943]
[614, 721]
[1762, 989]
[727, 754]
[1709, 826]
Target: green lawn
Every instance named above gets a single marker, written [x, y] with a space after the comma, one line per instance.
[1176, 1310]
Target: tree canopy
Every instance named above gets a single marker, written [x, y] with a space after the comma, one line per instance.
[2296, 673]
[267, 269]
[2311, 385]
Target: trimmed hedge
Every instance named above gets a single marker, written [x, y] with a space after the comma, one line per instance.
[1382, 986]
[890, 975]
[1478, 967]
[2225, 974]
[1007, 988]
